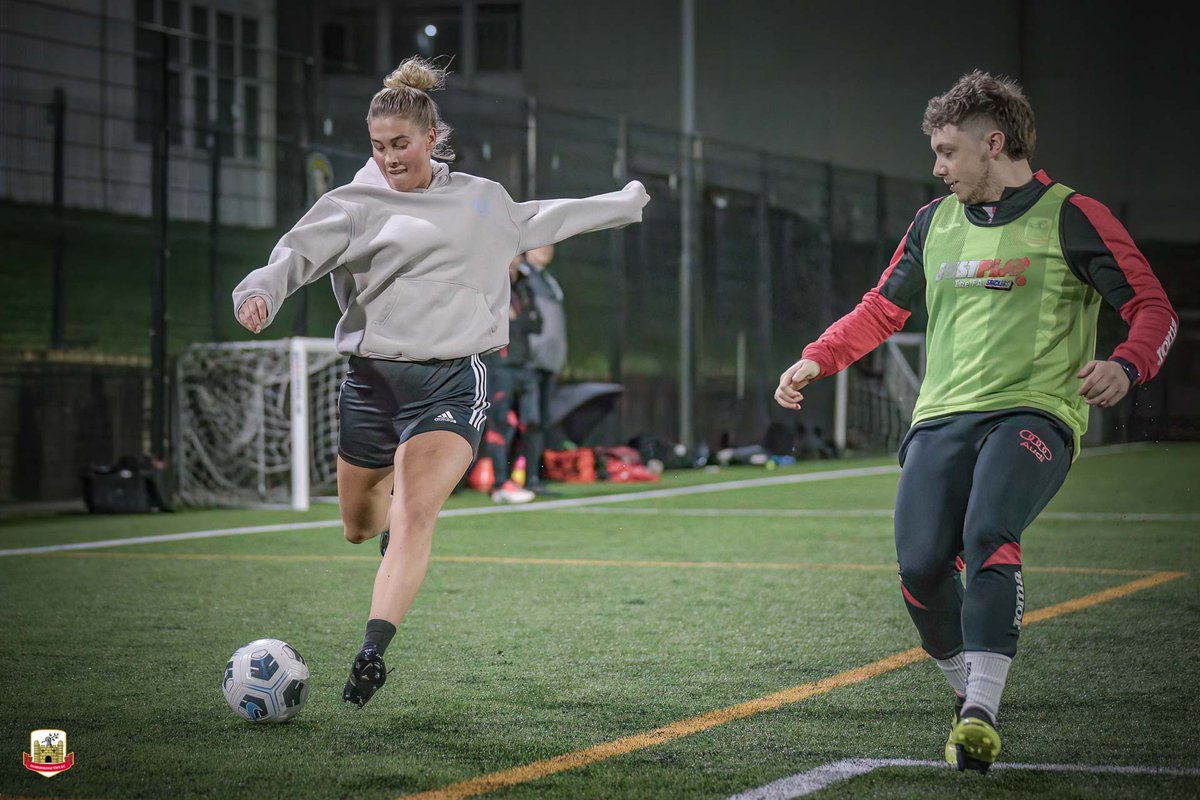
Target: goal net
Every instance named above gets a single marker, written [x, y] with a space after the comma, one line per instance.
[876, 396]
[257, 422]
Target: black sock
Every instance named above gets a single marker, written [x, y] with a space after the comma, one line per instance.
[379, 634]
[978, 713]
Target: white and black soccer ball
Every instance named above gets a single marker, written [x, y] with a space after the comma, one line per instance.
[266, 681]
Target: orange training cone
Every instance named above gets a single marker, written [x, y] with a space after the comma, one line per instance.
[483, 476]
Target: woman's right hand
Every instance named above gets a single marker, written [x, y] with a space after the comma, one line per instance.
[253, 314]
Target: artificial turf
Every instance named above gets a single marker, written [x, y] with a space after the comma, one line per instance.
[543, 633]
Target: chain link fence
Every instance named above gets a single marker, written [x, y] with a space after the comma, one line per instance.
[140, 160]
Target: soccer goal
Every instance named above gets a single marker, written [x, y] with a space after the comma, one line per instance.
[258, 422]
[875, 397]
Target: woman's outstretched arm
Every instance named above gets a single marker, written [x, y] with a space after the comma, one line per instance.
[310, 250]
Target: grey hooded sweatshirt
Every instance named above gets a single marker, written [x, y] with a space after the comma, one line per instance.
[424, 274]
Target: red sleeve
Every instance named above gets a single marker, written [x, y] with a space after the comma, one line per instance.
[871, 322]
[1121, 273]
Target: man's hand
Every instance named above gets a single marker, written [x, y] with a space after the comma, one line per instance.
[252, 313]
[1105, 383]
[793, 379]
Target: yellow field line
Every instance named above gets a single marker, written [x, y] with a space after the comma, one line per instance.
[1071, 606]
[557, 562]
[703, 722]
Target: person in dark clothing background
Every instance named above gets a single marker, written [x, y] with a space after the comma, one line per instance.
[547, 357]
[509, 377]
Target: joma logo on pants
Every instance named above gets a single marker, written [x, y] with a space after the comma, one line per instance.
[1033, 443]
[1020, 612]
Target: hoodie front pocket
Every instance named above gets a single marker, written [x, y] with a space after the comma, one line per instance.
[422, 319]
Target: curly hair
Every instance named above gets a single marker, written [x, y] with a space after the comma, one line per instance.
[405, 93]
[978, 96]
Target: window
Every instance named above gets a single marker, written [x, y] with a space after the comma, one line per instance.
[249, 48]
[225, 116]
[333, 46]
[148, 69]
[174, 107]
[200, 119]
[429, 32]
[212, 82]
[348, 44]
[437, 30]
[250, 119]
[225, 49]
[146, 11]
[199, 43]
[144, 77]
[171, 19]
[498, 37]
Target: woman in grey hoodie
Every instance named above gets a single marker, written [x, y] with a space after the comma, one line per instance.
[418, 257]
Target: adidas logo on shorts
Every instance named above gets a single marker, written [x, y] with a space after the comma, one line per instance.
[445, 416]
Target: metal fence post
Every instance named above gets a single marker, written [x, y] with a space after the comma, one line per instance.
[830, 222]
[58, 320]
[531, 147]
[687, 256]
[688, 146]
[763, 298]
[158, 282]
[620, 293]
[214, 230]
[307, 127]
[881, 212]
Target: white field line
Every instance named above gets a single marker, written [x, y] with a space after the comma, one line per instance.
[1097, 516]
[814, 780]
[171, 537]
[550, 505]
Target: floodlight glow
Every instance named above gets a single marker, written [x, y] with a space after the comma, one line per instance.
[431, 30]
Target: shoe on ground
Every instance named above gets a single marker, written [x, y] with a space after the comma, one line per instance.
[976, 744]
[511, 492]
[951, 754]
[367, 675]
[384, 538]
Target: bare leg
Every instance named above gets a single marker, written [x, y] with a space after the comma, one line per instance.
[427, 468]
[364, 499]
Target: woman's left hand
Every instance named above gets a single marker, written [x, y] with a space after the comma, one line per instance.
[639, 191]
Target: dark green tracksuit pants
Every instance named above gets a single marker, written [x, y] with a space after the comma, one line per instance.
[970, 483]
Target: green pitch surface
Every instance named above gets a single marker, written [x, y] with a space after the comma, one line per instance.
[676, 645]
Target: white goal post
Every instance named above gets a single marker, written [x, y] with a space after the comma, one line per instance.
[257, 422]
[874, 400]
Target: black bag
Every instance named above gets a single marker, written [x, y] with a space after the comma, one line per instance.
[134, 485]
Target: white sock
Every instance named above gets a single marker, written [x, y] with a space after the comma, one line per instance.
[986, 675]
[955, 670]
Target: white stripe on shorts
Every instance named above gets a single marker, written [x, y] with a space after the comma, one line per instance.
[480, 404]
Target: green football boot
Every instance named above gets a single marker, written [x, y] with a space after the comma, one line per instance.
[976, 744]
[951, 751]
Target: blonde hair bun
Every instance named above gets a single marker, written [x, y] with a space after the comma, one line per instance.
[416, 73]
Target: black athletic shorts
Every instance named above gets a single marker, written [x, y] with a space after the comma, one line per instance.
[384, 403]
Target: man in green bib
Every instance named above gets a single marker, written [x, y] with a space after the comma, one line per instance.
[1012, 267]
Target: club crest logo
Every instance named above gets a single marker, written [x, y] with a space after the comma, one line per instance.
[1037, 231]
[48, 754]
